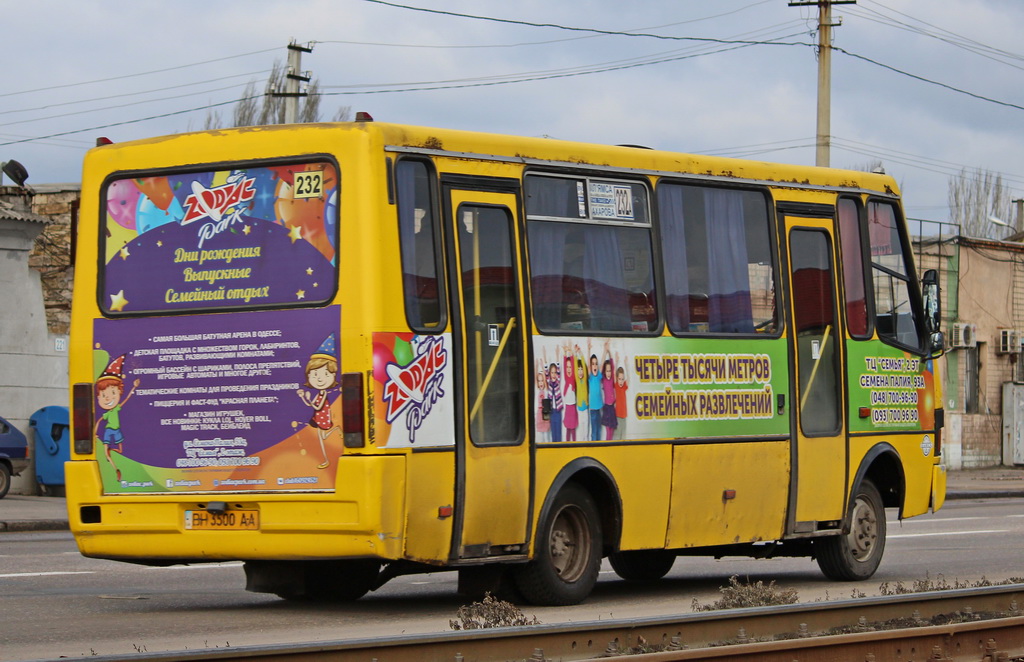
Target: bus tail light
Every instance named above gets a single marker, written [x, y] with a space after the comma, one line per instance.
[938, 442]
[352, 419]
[81, 405]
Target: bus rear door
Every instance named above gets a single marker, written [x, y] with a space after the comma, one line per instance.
[492, 445]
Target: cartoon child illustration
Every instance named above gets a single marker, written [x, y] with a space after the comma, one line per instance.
[555, 393]
[109, 388]
[621, 406]
[570, 417]
[608, 419]
[582, 399]
[321, 374]
[596, 401]
[543, 417]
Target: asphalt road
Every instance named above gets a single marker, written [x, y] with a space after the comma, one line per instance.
[56, 603]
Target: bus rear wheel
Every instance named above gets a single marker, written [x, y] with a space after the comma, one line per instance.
[568, 558]
[855, 556]
[642, 565]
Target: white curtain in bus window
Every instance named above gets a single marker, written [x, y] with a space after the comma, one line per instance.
[592, 272]
[895, 318]
[417, 233]
[591, 277]
[718, 264]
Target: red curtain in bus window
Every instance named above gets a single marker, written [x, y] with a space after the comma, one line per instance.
[853, 268]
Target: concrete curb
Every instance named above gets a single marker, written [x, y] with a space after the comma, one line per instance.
[984, 494]
[34, 525]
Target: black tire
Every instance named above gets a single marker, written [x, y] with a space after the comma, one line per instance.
[335, 581]
[855, 556]
[568, 555]
[643, 565]
[5, 480]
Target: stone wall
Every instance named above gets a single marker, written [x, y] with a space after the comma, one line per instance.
[51, 255]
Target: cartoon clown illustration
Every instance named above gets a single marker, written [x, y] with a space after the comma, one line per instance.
[321, 374]
[109, 388]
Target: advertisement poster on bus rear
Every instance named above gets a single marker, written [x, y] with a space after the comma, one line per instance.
[247, 401]
[214, 367]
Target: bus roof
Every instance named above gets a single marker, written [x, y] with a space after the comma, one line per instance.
[554, 152]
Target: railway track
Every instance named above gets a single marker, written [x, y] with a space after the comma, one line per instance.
[975, 624]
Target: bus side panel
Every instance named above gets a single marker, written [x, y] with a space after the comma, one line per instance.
[364, 518]
[642, 474]
[430, 487]
[728, 493]
[917, 468]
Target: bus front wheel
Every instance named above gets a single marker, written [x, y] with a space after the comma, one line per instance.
[855, 556]
[568, 556]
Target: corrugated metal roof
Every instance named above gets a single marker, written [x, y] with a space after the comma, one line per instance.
[11, 212]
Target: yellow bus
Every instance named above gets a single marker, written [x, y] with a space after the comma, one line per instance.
[345, 352]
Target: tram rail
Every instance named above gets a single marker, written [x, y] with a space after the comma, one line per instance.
[974, 624]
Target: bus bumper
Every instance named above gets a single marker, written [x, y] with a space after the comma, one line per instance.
[362, 518]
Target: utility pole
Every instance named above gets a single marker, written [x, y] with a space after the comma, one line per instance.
[825, 25]
[293, 77]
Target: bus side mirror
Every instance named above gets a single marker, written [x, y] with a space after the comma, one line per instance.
[932, 312]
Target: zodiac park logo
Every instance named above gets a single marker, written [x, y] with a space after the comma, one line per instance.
[413, 389]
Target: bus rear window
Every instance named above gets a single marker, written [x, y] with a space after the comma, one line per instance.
[221, 239]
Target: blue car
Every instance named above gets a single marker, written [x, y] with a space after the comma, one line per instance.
[13, 454]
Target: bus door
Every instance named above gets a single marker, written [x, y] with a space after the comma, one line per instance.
[492, 448]
[816, 337]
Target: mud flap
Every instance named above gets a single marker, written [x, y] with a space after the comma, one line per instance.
[938, 486]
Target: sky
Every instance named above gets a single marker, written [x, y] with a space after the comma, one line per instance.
[926, 87]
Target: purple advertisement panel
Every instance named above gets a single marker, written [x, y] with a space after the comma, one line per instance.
[227, 239]
[228, 402]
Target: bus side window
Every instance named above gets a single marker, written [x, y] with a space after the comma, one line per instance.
[854, 281]
[591, 266]
[418, 235]
[895, 318]
[719, 276]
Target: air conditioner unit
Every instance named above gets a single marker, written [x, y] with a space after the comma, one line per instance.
[1009, 341]
[964, 335]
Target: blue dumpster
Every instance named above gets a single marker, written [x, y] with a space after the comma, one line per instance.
[53, 449]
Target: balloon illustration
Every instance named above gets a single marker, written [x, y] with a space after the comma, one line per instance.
[157, 189]
[403, 352]
[122, 201]
[149, 215]
[382, 356]
[308, 214]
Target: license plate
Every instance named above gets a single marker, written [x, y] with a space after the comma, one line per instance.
[231, 520]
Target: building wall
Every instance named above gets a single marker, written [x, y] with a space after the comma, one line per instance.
[34, 257]
[989, 294]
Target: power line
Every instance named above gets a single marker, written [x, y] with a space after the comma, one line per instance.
[617, 33]
[129, 94]
[125, 122]
[135, 75]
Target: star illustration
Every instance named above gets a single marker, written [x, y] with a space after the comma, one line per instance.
[159, 243]
[124, 252]
[295, 233]
[301, 294]
[247, 229]
[118, 302]
[309, 271]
